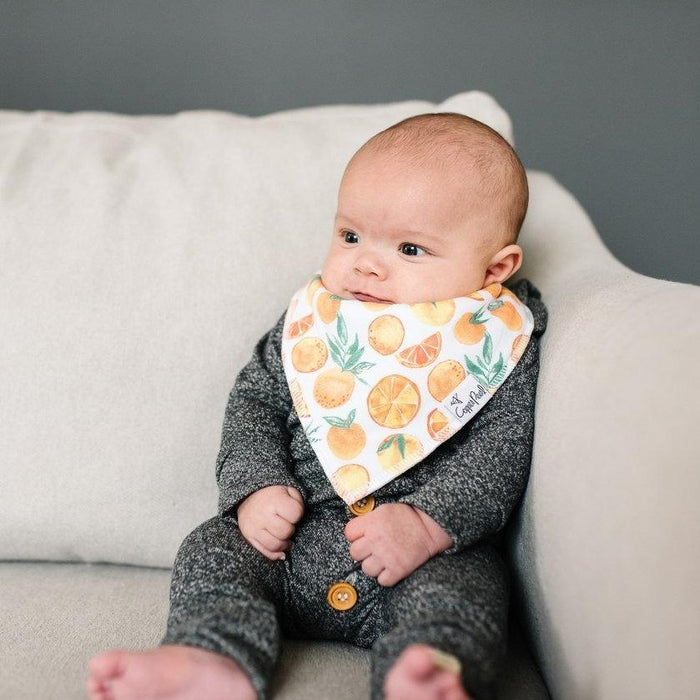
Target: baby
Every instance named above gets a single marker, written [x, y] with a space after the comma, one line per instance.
[428, 210]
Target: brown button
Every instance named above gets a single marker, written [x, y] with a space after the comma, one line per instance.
[364, 505]
[342, 596]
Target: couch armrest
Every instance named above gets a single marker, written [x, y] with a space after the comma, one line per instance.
[605, 544]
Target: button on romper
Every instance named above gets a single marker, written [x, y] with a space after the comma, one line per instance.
[228, 598]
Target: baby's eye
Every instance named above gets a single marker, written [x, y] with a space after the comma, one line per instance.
[350, 237]
[411, 249]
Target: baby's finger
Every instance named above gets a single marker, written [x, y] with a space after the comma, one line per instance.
[372, 566]
[290, 509]
[355, 528]
[360, 549]
[268, 540]
[280, 527]
[387, 578]
[273, 556]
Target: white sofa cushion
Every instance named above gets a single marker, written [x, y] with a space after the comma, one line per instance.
[142, 257]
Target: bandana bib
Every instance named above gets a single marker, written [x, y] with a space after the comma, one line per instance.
[377, 387]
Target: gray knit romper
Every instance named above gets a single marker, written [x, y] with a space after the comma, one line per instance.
[228, 598]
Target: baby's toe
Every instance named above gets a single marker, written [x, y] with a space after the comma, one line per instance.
[97, 690]
[417, 659]
[105, 666]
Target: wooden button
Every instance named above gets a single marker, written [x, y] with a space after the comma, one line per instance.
[364, 505]
[342, 596]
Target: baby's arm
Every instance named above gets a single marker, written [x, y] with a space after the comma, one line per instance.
[255, 441]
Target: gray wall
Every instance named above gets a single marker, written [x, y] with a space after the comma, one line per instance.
[604, 95]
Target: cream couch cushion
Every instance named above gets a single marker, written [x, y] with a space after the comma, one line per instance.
[55, 617]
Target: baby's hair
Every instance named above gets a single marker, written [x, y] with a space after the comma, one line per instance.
[449, 137]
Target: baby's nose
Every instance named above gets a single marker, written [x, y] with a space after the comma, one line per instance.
[371, 264]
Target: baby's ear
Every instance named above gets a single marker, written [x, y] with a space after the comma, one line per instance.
[504, 264]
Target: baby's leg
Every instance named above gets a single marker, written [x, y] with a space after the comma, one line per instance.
[222, 637]
[454, 603]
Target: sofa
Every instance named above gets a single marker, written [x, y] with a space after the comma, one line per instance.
[140, 259]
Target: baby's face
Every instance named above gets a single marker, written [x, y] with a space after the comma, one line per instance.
[406, 233]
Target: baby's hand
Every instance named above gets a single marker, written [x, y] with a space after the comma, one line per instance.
[394, 540]
[267, 517]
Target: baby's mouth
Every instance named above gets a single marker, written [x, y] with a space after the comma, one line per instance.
[367, 297]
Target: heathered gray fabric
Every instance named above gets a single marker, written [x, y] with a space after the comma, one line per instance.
[228, 598]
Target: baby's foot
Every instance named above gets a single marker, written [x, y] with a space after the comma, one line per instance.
[419, 675]
[173, 671]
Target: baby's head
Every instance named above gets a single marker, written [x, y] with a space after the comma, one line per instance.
[428, 209]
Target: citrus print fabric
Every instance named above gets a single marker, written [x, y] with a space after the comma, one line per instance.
[377, 387]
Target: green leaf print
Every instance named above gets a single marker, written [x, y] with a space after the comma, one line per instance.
[342, 329]
[347, 357]
[402, 445]
[477, 371]
[355, 356]
[488, 348]
[336, 354]
[310, 430]
[338, 422]
[474, 369]
[399, 439]
[499, 371]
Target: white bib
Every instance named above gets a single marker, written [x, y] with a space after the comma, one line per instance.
[377, 387]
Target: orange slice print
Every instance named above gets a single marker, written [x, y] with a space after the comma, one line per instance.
[422, 354]
[396, 453]
[327, 306]
[519, 345]
[298, 400]
[298, 328]
[438, 425]
[333, 387]
[444, 378]
[309, 354]
[469, 330]
[385, 334]
[351, 481]
[507, 293]
[493, 289]
[434, 313]
[312, 287]
[346, 439]
[393, 401]
[509, 315]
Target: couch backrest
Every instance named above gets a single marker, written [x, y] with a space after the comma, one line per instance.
[142, 257]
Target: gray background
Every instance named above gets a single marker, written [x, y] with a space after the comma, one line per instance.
[603, 95]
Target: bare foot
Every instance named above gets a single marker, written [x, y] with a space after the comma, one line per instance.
[418, 675]
[173, 671]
